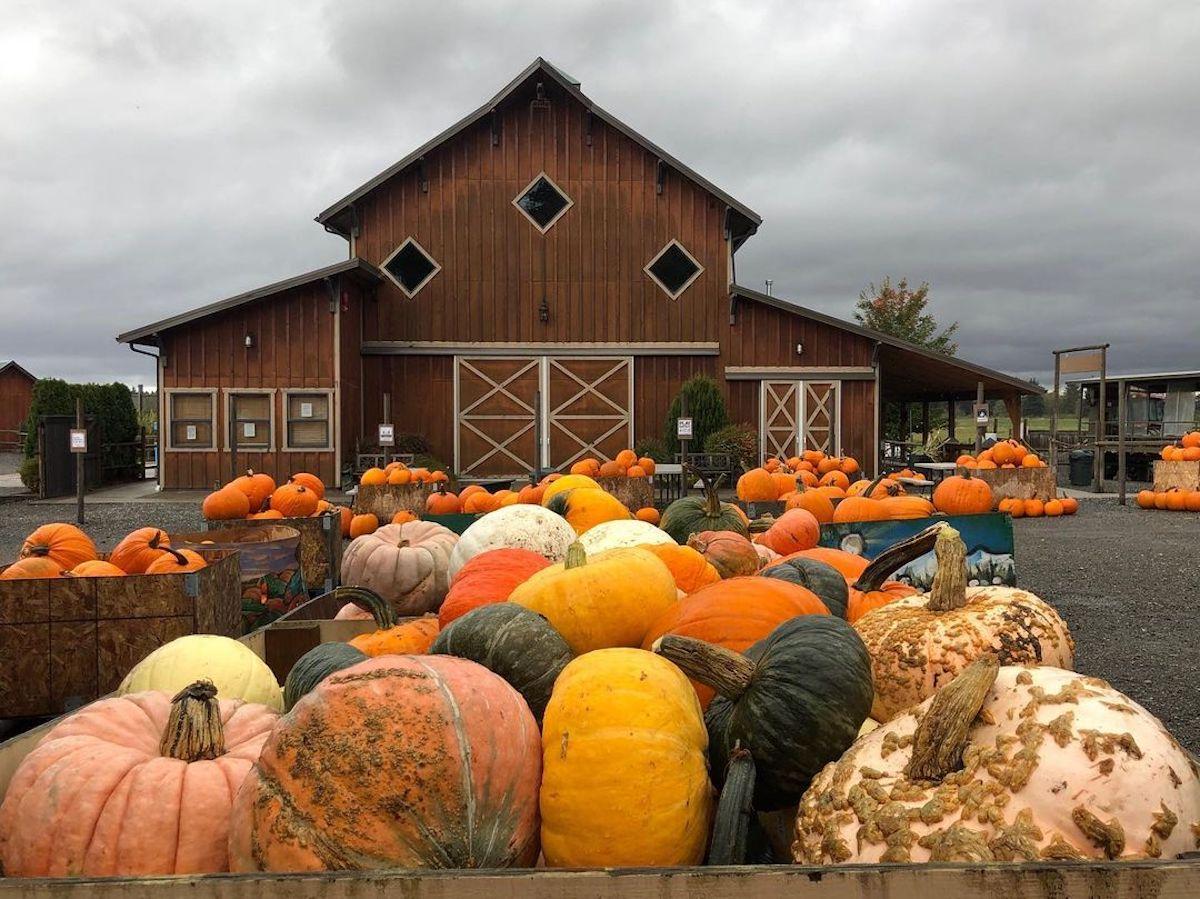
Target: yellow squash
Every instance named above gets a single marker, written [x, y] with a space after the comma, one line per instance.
[607, 599]
[624, 765]
[586, 507]
[566, 482]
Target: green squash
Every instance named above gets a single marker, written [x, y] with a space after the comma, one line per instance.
[819, 577]
[795, 701]
[696, 514]
[513, 642]
[316, 665]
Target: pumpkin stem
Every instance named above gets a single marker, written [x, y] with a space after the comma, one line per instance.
[941, 735]
[869, 493]
[180, 558]
[576, 556]
[895, 557]
[726, 671]
[735, 811]
[39, 551]
[368, 601]
[194, 731]
[763, 524]
[949, 590]
[155, 540]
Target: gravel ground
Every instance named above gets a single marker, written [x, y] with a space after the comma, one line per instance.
[1120, 577]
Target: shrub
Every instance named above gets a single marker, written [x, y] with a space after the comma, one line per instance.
[414, 444]
[110, 405]
[653, 448]
[706, 407]
[739, 442]
[29, 474]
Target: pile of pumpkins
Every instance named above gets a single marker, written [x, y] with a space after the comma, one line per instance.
[564, 684]
[1187, 449]
[255, 497]
[1011, 453]
[64, 550]
[625, 464]
[1173, 499]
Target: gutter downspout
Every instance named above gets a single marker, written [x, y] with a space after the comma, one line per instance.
[875, 364]
[159, 441]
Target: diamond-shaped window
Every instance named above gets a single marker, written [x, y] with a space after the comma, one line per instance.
[410, 267]
[543, 202]
[674, 269]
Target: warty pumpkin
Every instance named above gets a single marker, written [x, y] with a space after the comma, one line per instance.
[257, 486]
[295, 500]
[624, 777]
[622, 535]
[314, 666]
[918, 643]
[132, 786]
[513, 642]
[32, 567]
[816, 576]
[600, 600]
[394, 763]
[515, 527]
[690, 570]
[730, 552]
[176, 561]
[407, 564]
[64, 544]
[963, 495]
[695, 514]
[1004, 765]
[231, 666]
[586, 507]
[734, 613]
[795, 700]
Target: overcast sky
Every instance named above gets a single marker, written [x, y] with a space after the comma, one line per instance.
[1037, 162]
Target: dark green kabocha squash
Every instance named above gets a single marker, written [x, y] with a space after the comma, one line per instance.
[696, 514]
[795, 701]
[819, 577]
[513, 642]
[316, 665]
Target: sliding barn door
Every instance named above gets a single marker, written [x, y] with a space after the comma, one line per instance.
[589, 408]
[822, 430]
[495, 432]
[797, 416]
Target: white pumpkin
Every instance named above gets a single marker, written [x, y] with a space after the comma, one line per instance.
[621, 534]
[521, 526]
[407, 564]
[1054, 765]
[233, 668]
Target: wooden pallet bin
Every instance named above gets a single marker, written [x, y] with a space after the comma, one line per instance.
[68, 641]
[1015, 483]
[1181, 475]
[320, 545]
[635, 493]
[385, 500]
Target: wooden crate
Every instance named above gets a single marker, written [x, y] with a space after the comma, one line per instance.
[320, 545]
[1184, 475]
[635, 493]
[385, 500]
[1017, 483]
[67, 641]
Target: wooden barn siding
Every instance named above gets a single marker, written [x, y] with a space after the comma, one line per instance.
[16, 395]
[496, 266]
[764, 335]
[293, 347]
[422, 390]
[351, 374]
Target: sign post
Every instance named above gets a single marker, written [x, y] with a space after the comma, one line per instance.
[387, 418]
[980, 426]
[79, 449]
[387, 435]
[683, 432]
[1086, 359]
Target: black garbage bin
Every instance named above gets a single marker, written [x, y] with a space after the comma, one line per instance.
[1083, 464]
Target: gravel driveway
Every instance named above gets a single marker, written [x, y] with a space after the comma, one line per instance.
[1121, 577]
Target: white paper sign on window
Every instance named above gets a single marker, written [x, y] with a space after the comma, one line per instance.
[306, 410]
[191, 432]
[248, 429]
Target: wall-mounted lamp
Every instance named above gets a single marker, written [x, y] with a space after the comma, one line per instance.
[249, 340]
[544, 311]
[799, 349]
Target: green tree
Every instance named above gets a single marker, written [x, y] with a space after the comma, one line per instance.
[706, 407]
[1036, 405]
[900, 311]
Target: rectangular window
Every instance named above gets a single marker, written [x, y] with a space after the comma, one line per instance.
[252, 416]
[192, 420]
[308, 420]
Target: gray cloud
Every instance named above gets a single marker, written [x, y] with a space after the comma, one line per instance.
[1035, 162]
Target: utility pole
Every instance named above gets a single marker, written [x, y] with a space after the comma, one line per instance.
[79, 454]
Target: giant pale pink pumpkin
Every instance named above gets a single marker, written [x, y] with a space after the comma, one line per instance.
[133, 785]
[487, 578]
[396, 762]
[407, 564]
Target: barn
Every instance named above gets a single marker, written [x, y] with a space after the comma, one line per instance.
[16, 395]
[530, 286]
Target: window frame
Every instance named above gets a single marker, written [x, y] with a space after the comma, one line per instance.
[230, 394]
[688, 283]
[169, 395]
[286, 444]
[524, 190]
[437, 267]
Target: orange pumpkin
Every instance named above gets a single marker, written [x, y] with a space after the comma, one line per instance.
[64, 544]
[962, 495]
[835, 478]
[625, 458]
[785, 482]
[612, 470]
[295, 500]
[402, 517]
[176, 561]
[225, 504]
[399, 477]
[860, 508]
[410, 638]
[793, 531]
[31, 567]
[257, 486]
[530, 494]
[648, 514]
[587, 467]
[1071, 505]
[1054, 508]
[813, 501]
[757, 485]
[849, 565]
[1031, 460]
[442, 502]
[345, 516]
[901, 507]
[966, 460]
[635, 471]
[1191, 440]
[849, 465]
[311, 481]
[828, 464]
[480, 502]
[1034, 508]
[266, 515]
[488, 577]
[690, 569]
[374, 477]
[646, 464]
[96, 568]
[1176, 500]
[735, 613]
[138, 549]
[361, 525]
[1145, 499]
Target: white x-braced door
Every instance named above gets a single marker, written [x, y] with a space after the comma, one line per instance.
[797, 416]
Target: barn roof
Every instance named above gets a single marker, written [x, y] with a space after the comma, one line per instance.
[358, 268]
[337, 217]
[11, 365]
[911, 371]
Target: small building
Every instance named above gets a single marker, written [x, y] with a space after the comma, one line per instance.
[16, 396]
[531, 286]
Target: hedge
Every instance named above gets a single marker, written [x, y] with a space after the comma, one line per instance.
[111, 406]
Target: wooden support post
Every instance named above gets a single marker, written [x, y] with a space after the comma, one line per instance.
[233, 441]
[387, 420]
[1100, 419]
[924, 422]
[1013, 405]
[951, 422]
[980, 430]
[1054, 422]
[79, 464]
[1121, 388]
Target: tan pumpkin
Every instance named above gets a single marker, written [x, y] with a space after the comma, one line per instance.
[407, 564]
[919, 643]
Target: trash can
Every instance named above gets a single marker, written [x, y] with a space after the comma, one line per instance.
[1083, 464]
